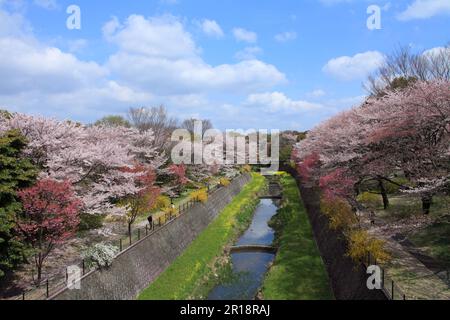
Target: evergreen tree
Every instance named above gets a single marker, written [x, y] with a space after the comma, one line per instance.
[16, 172]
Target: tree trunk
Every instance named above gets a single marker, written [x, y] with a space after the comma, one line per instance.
[356, 189]
[129, 228]
[427, 201]
[39, 274]
[384, 194]
[39, 269]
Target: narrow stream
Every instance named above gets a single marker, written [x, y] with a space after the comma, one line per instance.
[249, 268]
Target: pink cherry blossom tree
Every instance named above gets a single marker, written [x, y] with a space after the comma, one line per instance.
[406, 129]
[92, 158]
[142, 201]
[411, 130]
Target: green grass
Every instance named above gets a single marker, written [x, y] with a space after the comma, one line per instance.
[298, 272]
[435, 240]
[189, 276]
[404, 206]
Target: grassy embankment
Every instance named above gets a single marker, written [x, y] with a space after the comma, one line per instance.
[433, 240]
[197, 270]
[298, 272]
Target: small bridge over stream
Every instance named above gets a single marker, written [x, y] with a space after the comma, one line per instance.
[253, 248]
[276, 197]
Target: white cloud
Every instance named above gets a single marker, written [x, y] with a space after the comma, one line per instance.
[316, 93]
[356, 67]
[183, 76]
[158, 54]
[77, 45]
[46, 4]
[278, 102]
[28, 65]
[110, 27]
[13, 25]
[435, 52]
[424, 9]
[212, 28]
[38, 78]
[387, 6]
[345, 103]
[241, 34]
[44, 80]
[156, 62]
[157, 37]
[83, 104]
[286, 36]
[248, 53]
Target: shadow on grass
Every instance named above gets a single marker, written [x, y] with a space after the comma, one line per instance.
[435, 240]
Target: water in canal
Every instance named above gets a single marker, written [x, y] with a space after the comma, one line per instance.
[249, 268]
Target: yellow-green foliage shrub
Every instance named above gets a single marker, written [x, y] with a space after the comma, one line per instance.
[111, 218]
[200, 195]
[170, 211]
[292, 164]
[161, 202]
[370, 200]
[224, 182]
[360, 244]
[339, 212]
[161, 219]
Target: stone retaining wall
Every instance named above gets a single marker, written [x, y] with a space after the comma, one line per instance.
[134, 269]
[347, 279]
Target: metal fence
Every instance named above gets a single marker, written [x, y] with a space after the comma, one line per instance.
[51, 285]
[391, 290]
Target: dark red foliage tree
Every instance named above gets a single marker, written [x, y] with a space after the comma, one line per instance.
[50, 216]
[180, 172]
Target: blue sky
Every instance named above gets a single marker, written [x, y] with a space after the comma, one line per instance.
[284, 64]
